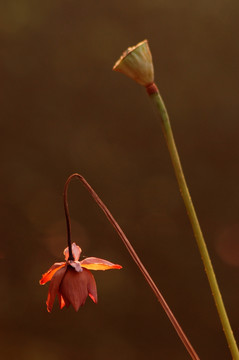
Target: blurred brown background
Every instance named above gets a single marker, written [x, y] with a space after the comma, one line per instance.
[63, 110]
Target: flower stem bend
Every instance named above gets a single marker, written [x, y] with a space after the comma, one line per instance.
[158, 102]
[133, 254]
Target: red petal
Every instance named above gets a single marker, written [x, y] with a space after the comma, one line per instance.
[76, 286]
[54, 287]
[61, 301]
[49, 274]
[93, 263]
[92, 287]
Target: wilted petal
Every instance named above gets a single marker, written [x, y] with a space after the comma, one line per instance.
[92, 287]
[93, 263]
[76, 265]
[61, 301]
[49, 274]
[75, 285]
[54, 287]
[76, 251]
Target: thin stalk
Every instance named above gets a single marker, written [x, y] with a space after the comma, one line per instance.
[158, 102]
[133, 254]
[67, 215]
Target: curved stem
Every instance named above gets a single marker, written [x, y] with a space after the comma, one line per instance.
[133, 254]
[158, 102]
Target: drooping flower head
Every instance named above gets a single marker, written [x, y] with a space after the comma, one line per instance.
[72, 281]
[136, 62]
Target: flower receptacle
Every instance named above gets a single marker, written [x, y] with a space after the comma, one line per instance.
[136, 63]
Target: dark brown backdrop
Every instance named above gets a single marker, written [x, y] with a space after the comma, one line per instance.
[63, 110]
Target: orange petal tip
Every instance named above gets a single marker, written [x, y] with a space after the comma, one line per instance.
[49, 274]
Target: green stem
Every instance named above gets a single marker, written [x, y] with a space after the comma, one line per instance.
[158, 102]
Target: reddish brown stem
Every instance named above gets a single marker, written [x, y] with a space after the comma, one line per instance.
[133, 254]
[67, 214]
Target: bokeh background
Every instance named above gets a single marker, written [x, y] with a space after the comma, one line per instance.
[63, 110]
